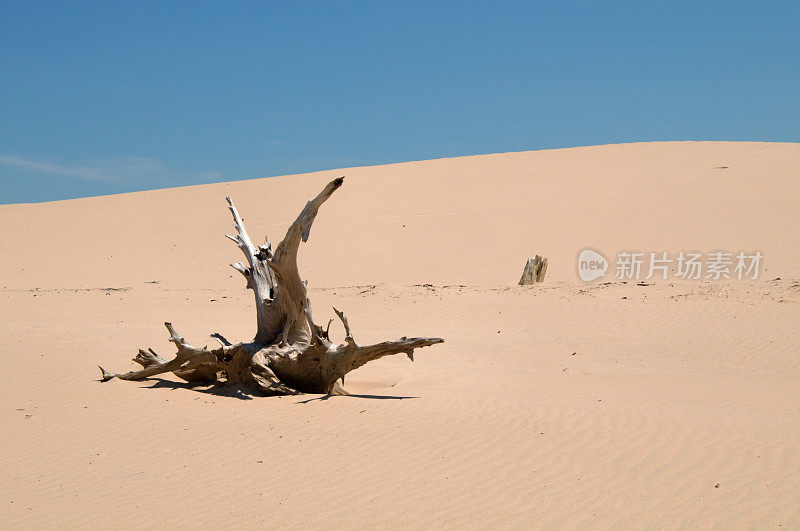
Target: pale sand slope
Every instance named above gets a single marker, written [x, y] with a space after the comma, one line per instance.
[672, 389]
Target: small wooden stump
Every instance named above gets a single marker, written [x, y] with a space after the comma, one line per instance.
[534, 272]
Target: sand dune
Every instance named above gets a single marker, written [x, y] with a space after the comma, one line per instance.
[605, 404]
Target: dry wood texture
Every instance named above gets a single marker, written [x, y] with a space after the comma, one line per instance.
[290, 354]
[534, 272]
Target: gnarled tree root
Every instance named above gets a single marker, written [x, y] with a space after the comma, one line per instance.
[290, 354]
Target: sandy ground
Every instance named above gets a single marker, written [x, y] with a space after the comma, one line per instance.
[604, 404]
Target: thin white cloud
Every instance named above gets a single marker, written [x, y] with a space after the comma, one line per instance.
[116, 171]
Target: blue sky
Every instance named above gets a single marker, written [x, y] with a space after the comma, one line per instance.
[106, 97]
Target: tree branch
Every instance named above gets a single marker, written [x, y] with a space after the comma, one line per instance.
[348, 335]
[242, 239]
[190, 363]
[221, 340]
[301, 228]
[405, 345]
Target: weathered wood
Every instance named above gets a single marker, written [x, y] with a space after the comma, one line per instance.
[534, 272]
[290, 354]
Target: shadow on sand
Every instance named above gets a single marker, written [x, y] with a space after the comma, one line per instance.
[371, 397]
[244, 393]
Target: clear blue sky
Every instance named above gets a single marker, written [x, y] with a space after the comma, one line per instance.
[105, 97]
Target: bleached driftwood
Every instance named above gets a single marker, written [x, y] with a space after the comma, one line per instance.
[290, 354]
[535, 269]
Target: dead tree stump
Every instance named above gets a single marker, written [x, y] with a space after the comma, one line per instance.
[290, 354]
[534, 272]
